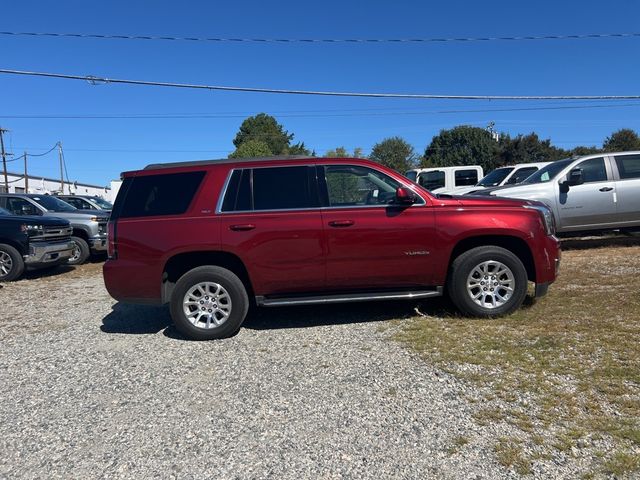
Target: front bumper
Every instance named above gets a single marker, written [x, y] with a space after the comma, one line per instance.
[48, 253]
[98, 243]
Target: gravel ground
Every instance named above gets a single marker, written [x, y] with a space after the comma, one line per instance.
[93, 388]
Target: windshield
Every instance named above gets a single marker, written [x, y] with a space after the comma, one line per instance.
[494, 178]
[4, 212]
[549, 172]
[53, 204]
[102, 203]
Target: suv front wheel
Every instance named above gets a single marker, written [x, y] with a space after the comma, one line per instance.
[208, 303]
[487, 282]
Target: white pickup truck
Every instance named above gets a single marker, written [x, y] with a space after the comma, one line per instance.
[449, 179]
[593, 192]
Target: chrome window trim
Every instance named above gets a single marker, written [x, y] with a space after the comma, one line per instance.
[225, 186]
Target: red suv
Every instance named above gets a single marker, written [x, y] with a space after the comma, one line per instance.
[211, 237]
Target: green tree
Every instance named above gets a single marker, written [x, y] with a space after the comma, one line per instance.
[582, 150]
[394, 153]
[341, 152]
[621, 141]
[462, 145]
[251, 149]
[298, 149]
[527, 149]
[264, 128]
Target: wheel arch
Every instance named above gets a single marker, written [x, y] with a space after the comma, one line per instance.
[516, 245]
[179, 264]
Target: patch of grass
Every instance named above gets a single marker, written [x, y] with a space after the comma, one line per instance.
[622, 463]
[510, 454]
[567, 367]
[459, 441]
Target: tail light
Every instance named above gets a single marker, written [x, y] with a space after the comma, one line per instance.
[112, 246]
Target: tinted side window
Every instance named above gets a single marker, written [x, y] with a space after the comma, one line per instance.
[238, 195]
[165, 194]
[628, 166]
[593, 170]
[282, 188]
[432, 180]
[466, 177]
[19, 206]
[521, 174]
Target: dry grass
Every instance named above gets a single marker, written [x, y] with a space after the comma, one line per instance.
[564, 370]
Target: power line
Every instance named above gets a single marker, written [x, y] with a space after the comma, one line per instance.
[187, 116]
[97, 80]
[322, 40]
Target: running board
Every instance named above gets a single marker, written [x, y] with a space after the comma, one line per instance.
[351, 297]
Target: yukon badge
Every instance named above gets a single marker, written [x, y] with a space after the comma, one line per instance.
[413, 253]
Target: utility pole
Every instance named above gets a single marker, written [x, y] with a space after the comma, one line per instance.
[61, 168]
[4, 161]
[26, 175]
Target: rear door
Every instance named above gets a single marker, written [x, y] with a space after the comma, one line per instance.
[371, 242]
[591, 204]
[628, 188]
[270, 217]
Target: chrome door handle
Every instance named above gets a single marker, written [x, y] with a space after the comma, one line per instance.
[242, 227]
[341, 223]
[606, 189]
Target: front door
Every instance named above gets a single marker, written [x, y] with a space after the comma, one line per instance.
[591, 204]
[372, 243]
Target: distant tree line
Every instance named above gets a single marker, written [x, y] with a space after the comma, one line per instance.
[262, 135]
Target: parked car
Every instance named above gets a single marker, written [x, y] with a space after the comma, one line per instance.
[89, 226]
[446, 179]
[87, 202]
[510, 175]
[212, 237]
[26, 242]
[593, 192]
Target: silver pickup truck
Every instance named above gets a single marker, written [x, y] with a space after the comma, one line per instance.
[89, 226]
[593, 192]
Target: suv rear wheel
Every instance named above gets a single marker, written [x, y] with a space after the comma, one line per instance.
[11, 263]
[208, 303]
[487, 282]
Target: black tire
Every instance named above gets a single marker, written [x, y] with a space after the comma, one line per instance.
[463, 266]
[239, 303]
[81, 251]
[13, 264]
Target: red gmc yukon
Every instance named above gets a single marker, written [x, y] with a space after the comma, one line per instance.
[211, 237]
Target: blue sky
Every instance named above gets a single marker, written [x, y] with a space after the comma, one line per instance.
[97, 150]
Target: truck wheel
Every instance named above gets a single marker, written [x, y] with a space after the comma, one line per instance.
[487, 282]
[11, 263]
[208, 303]
[80, 251]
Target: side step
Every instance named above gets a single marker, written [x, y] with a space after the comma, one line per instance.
[350, 297]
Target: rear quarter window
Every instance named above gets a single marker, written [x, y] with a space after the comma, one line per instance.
[466, 177]
[156, 195]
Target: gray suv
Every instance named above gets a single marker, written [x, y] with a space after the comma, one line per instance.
[593, 192]
[89, 226]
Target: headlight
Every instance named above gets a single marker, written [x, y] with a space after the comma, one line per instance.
[547, 218]
[32, 230]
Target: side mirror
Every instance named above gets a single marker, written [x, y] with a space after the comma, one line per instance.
[404, 196]
[575, 177]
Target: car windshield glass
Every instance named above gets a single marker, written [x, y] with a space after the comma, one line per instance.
[102, 203]
[4, 212]
[549, 172]
[494, 178]
[53, 204]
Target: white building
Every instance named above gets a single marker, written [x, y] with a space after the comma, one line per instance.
[45, 185]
